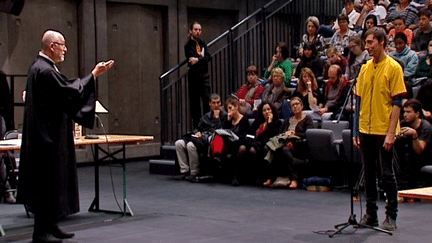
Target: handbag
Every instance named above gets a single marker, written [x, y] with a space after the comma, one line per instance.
[226, 133]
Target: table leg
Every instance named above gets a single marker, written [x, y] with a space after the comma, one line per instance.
[94, 207]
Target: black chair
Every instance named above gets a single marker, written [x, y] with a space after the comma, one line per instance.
[325, 159]
[14, 163]
[336, 127]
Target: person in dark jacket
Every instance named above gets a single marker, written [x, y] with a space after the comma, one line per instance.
[227, 141]
[198, 56]
[252, 150]
[191, 145]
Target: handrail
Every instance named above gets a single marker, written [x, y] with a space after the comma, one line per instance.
[247, 18]
[172, 70]
[270, 3]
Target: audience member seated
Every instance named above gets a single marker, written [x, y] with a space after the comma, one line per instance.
[250, 156]
[352, 14]
[275, 92]
[340, 39]
[423, 34]
[370, 7]
[310, 59]
[336, 91]
[424, 95]
[226, 139]
[370, 22]
[399, 27]
[307, 90]
[286, 146]
[428, 5]
[404, 54]
[190, 145]
[334, 57]
[280, 60]
[405, 9]
[6, 192]
[424, 67]
[356, 58]
[250, 91]
[312, 37]
[413, 144]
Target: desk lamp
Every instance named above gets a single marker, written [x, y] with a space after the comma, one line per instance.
[100, 109]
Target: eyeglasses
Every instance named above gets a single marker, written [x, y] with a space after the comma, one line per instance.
[295, 104]
[60, 44]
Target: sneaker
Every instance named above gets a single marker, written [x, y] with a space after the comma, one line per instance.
[389, 224]
[181, 176]
[368, 220]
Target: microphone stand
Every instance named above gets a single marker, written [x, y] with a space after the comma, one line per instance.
[352, 218]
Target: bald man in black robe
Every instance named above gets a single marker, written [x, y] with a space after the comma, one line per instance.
[48, 177]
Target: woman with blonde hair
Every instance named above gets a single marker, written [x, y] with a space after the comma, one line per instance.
[308, 90]
[275, 92]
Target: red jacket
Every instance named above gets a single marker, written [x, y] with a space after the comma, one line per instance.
[241, 94]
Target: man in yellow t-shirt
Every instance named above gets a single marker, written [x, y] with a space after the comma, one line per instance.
[380, 85]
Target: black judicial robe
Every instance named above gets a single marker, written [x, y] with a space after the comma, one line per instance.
[48, 175]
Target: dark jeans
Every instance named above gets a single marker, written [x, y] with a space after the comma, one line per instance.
[375, 155]
[199, 90]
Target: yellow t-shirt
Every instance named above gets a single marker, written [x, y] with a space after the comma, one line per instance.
[377, 85]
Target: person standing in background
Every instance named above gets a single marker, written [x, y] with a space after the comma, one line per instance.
[198, 56]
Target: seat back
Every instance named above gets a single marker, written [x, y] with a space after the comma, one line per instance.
[321, 145]
[13, 134]
[347, 142]
[316, 118]
[336, 127]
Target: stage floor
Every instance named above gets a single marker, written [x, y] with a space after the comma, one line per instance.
[178, 211]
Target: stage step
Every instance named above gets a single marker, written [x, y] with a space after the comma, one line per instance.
[162, 166]
[168, 152]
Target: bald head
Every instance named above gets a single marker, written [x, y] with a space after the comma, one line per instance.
[334, 74]
[49, 37]
[53, 45]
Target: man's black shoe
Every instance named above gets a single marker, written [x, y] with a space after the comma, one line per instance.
[45, 238]
[60, 234]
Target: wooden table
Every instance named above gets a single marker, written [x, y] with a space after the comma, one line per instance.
[15, 144]
[418, 193]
